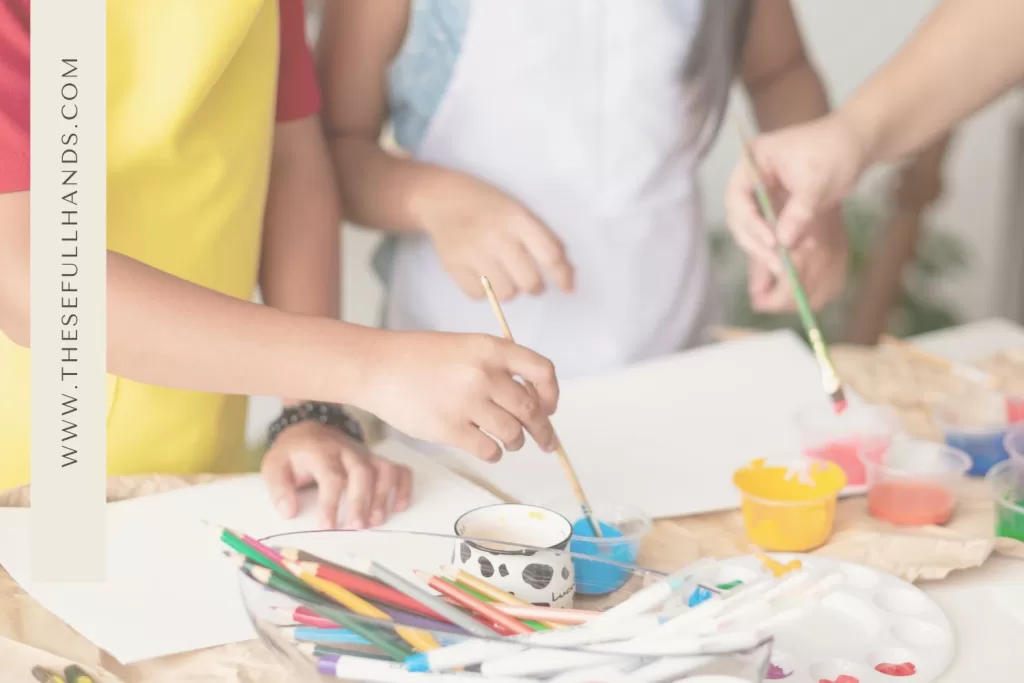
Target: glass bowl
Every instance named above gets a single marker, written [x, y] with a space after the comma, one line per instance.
[274, 617]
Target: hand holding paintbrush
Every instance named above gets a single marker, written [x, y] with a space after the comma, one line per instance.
[829, 376]
[570, 472]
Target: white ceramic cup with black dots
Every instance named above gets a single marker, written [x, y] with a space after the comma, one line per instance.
[541, 573]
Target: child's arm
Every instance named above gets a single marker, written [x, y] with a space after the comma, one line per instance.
[166, 331]
[476, 229]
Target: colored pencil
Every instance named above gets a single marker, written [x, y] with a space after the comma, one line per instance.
[44, 675]
[480, 586]
[570, 471]
[419, 639]
[535, 625]
[317, 650]
[76, 674]
[367, 587]
[323, 636]
[434, 603]
[312, 600]
[830, 378]
[469, 602]
[244, 548]
[307, 617]
[530, 614]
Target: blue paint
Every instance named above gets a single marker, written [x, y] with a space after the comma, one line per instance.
[600, 578]
[699, 595]
[985, 449]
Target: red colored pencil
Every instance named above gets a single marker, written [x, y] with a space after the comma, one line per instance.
[472, 604]
[363, 586]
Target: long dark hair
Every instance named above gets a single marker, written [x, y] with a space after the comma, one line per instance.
[714, 61]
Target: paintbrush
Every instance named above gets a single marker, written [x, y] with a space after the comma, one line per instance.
[829, 377]
[570, 472]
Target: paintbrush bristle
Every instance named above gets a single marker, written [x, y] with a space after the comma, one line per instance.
[839, 401]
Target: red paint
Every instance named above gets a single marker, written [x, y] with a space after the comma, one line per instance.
[841, 679]
[845, 454]
[839, 406]
[904, 669]
[910, 503]
[1014, 410]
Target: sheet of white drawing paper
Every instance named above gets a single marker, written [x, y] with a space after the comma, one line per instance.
[667, 435]
[169, 587]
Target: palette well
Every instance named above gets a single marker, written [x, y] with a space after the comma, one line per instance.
[874, 628]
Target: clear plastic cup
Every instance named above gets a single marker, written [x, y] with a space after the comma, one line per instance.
[623, 528]
[1009, 501]
[789, 506]
[1014, 445]
[860, 430]
[976, 422]
[917, 483]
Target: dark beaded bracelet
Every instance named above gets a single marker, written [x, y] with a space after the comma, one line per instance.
[330, 414]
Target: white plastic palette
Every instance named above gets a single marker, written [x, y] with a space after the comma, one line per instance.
[872, 618]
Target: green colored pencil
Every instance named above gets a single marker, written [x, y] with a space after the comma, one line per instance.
[313, 600]
[535, 625]
[829, 376]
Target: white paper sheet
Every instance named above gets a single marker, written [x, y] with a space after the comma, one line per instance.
[667, 435]
[169, 588]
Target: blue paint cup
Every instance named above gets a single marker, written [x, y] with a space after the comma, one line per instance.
[976, 423]
[623, 528]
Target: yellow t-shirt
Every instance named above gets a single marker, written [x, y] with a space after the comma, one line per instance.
[192, 87]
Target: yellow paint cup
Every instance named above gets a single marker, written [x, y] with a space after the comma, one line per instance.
[789, 507]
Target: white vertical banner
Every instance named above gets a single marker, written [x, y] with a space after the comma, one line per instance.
[68, 289]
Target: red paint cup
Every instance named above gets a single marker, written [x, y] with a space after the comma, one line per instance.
[917, 483]
[846, 439]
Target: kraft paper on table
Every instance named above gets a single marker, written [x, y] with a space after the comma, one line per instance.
[915, 554]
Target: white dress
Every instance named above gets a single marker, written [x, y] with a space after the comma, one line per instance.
[583, 111]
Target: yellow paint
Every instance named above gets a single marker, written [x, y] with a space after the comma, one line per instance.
[782, 513]
[777, 568]
[533, 514]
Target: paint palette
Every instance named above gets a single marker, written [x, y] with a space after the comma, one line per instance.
[873, 628]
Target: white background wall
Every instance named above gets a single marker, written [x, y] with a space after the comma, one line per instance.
[848, 41]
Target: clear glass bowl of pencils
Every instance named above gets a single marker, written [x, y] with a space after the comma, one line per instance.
[382, 606]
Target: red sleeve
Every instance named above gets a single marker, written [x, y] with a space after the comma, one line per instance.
[14, 94]
[298, 94]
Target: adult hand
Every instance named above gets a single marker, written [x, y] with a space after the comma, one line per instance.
[479, 230]
[810, 168]
[452, 388]
[309, 452]
[820, 261]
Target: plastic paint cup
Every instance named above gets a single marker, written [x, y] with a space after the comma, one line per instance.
[917, 483]
[781, 512]
[844, 438]
[976, 423]
[623, 528]
[1014, 445]
[1009, 501]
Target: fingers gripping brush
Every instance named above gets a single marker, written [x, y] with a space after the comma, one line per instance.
[829, 377]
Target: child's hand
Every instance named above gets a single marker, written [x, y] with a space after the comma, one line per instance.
[451, 388]
[308, 453]
[478, 230]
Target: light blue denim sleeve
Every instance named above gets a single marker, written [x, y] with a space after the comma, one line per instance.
[417, 82]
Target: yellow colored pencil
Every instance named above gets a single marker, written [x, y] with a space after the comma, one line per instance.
[419, 639]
